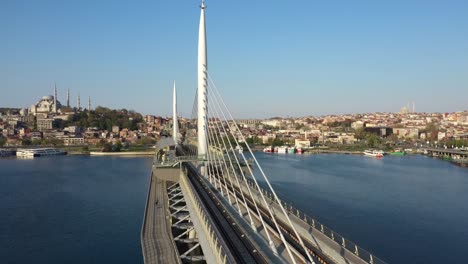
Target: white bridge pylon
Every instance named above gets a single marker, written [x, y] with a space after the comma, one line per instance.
[225, 158]
[202, 70]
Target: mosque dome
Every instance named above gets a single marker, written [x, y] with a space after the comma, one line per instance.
[48, 98]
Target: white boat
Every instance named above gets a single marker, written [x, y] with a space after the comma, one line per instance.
[292, 150]
[283, 149]
[268, 150]
[373, 153]
[39, 152]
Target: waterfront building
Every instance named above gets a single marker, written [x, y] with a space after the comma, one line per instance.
[70, 141]
[149, 119]
[412, 133]
[273, 122]
[36, 135]
[249, 123]
[357, 124]
[301, 143]
[44, 124]
[73, 129]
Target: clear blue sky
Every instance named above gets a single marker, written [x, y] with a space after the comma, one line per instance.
[287, 58]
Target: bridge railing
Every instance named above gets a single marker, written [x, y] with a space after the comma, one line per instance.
[173, 162]
[345, 243]
[214, 244]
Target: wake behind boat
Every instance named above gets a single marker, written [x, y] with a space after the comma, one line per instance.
[39, 152]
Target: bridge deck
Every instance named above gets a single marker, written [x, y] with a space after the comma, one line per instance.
[448, 151]
[156, 237]
[313, 237]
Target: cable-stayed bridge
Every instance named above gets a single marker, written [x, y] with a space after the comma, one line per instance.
[209, 200]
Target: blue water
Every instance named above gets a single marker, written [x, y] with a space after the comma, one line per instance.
[78, 209]
[411, 209]
[72, 209]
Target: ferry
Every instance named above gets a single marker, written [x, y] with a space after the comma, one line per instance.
[373, 153]
[39, 152]
[6, 152]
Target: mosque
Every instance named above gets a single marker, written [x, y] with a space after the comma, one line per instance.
[48, 104]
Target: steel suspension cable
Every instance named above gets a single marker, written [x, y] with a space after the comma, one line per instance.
[210, 164]
[242, 174]
[267, 206]
[226, 166]
[219, 162]
[263, 174]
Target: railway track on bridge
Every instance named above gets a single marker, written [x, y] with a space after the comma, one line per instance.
[241, 248]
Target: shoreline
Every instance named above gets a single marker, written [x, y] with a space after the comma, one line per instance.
[123, 153]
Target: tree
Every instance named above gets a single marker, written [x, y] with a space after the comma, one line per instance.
[36, 142]
[277, 142]
[107, 147]
[299, 126]
[2, 141]
[360, 133]
[253, 140]
[26, 142]
[432, 129]
[373, 140]
[102, 142]
[145, 141]
[105, 118]
[117, 146]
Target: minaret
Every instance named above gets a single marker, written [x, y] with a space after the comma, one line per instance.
[202, 85]
[68, 97]
[54, 109]
[89, 103]
[175, 122]
[78, 102]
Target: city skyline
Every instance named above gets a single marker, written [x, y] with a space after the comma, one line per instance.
[298, 60]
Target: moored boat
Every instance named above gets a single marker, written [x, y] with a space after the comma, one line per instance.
[283, 149]
[373, 153]
[398, 152]
[268, 150]
[6, 152]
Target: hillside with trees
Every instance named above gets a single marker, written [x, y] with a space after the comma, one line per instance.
[104, 118]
